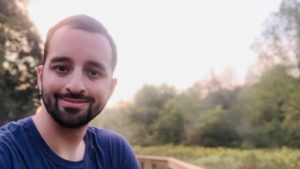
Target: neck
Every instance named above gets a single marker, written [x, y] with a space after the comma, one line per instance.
[65, 142]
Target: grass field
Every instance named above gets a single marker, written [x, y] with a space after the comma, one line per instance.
[226, 158]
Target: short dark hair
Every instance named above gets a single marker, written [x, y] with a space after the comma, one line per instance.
[85, 23]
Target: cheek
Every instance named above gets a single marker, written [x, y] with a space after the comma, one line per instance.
[51, 85]
[100, 91]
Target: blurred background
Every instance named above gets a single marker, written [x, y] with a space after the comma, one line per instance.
[215, 83]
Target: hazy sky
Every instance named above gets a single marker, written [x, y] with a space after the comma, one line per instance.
[177, 42]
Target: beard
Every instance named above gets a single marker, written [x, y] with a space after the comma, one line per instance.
[70, 117]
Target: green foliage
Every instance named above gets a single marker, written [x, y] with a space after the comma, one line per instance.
[263, 113]
[226, 158]
[216, 129]
[291, 124]
[148, 101]
[270, 101]
[187, 105]
[169, 128]
[146, 110]
[224, 98]
[19, 53]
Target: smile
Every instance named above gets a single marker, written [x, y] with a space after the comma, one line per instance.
[74, 100]
[73, 103]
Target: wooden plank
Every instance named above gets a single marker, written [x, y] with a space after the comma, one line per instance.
[171, 163]
[177, 164]
[161, 161]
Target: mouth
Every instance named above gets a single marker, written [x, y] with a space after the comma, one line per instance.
[72, 100]
[71, 103]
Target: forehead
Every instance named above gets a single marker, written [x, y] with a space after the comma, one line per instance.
[80, 45]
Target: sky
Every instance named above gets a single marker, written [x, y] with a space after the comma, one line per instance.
[174, 42]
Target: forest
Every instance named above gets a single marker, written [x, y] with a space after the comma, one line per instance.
[264, 112]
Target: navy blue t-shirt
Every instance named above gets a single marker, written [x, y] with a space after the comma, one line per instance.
[22, 147]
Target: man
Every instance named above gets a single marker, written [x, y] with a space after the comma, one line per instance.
[75, 82]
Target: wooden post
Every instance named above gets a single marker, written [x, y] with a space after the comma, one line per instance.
[142, 165]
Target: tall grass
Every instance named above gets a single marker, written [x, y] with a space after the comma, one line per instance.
[227, 158]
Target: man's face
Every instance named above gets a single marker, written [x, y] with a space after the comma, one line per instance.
[76, 79]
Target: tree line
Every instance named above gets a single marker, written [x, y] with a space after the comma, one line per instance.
[264, 112]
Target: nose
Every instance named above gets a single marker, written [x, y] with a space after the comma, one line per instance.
[75, 83]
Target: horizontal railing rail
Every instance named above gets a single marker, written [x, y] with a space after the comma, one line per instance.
[171, 163]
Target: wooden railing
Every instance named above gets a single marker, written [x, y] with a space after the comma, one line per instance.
[171, 163]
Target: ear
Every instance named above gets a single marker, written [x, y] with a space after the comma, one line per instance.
[39, 76]
[113, 86]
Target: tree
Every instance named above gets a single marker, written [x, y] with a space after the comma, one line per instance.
[169, 128]
[271, 103]
[215, 129]
[273, 98]
[20, 50]
[281, 41]
[145, 111]
[291, 109]
[225, 98]
[179, 116]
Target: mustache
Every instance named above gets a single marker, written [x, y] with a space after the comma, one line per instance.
[74, 96]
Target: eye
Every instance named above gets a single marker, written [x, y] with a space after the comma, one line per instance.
[61, 69]
[93, 73]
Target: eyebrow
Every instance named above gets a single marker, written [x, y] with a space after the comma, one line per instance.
[60, 59]
[97, 64]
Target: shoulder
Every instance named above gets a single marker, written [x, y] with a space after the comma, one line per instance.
[105, 136]
[13, 129]
[113, 146]
[102, 132]
[10, 132]
[11, 135]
